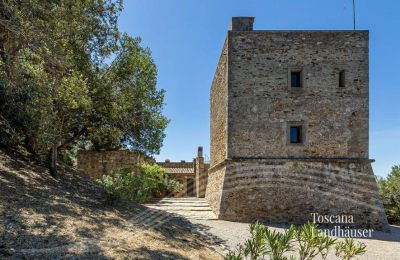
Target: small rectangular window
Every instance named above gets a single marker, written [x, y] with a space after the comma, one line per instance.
[295, 79]
[295, 135]
[342, 79]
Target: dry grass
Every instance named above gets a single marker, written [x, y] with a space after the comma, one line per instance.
[70, 217]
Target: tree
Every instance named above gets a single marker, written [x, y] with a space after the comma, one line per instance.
[389, 189]
[55, 88]
[133, 118]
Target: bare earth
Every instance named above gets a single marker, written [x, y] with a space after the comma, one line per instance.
[70, 217]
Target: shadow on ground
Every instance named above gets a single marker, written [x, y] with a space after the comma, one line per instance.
[42, 217]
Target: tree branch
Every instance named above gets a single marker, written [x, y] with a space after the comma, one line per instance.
[72, 139]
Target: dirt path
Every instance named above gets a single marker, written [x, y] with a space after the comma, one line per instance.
[70, 217]
[381, 246]
[229, 234]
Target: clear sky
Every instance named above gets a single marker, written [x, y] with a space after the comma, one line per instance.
[186, 38]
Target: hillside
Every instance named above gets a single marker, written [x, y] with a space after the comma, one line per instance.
[70, 217]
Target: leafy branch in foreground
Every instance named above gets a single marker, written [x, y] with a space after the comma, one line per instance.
[267, 244]
[348, 249]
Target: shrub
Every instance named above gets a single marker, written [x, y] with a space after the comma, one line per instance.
[389, 189]
[69, 156]
[311, 244]
[348, 249]
[139, 184]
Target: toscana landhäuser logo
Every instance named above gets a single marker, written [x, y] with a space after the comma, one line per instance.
[340, 226]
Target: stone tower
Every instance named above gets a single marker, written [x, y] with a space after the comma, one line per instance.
[289, 127]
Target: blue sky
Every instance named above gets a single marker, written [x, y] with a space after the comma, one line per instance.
[186, 37]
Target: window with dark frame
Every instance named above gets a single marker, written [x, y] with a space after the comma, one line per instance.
[341, 79]
[295, 79]
[296, 135]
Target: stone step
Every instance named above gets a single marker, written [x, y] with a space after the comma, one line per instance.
[191, 208]
[181, 208]
[169, 200]
[177, 203]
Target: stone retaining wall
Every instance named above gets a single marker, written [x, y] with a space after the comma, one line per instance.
[95, 164]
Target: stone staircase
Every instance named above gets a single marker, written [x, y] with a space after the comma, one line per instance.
[188, 207]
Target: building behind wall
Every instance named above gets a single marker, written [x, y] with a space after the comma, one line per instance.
[289, 127]
[192, 175]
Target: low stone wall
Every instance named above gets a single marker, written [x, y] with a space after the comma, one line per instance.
[95, 163]
[288, 191]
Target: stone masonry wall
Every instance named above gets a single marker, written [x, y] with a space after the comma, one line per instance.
[201, 170]
[95, 164]
[262, 105]
[289, 191]
[261, 175]
[219, 107]
[214, 189]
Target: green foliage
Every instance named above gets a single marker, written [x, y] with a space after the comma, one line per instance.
[56, 90]
[348, 249]
[255, 247]
[69, 156]
[278, 243]
[48, 53]
[275, 245]
[128, 106]
[312, 242]
[235, 255]
[389, 189]
[139, 184]
[325, 244]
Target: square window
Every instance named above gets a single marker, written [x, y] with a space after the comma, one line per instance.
[295, 79]
[295, 135]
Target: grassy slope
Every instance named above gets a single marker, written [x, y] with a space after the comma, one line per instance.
[69, 217]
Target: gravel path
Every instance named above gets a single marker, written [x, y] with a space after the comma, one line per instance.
[381, 246]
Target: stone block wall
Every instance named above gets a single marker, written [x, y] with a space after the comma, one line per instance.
[215, 188]
[219, 109]
[201, 170]
[288, 191]
[193, 175]
[262, 104]
[256, 173]
[95, 163]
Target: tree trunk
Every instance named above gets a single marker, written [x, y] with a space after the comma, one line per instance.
[53, 161]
